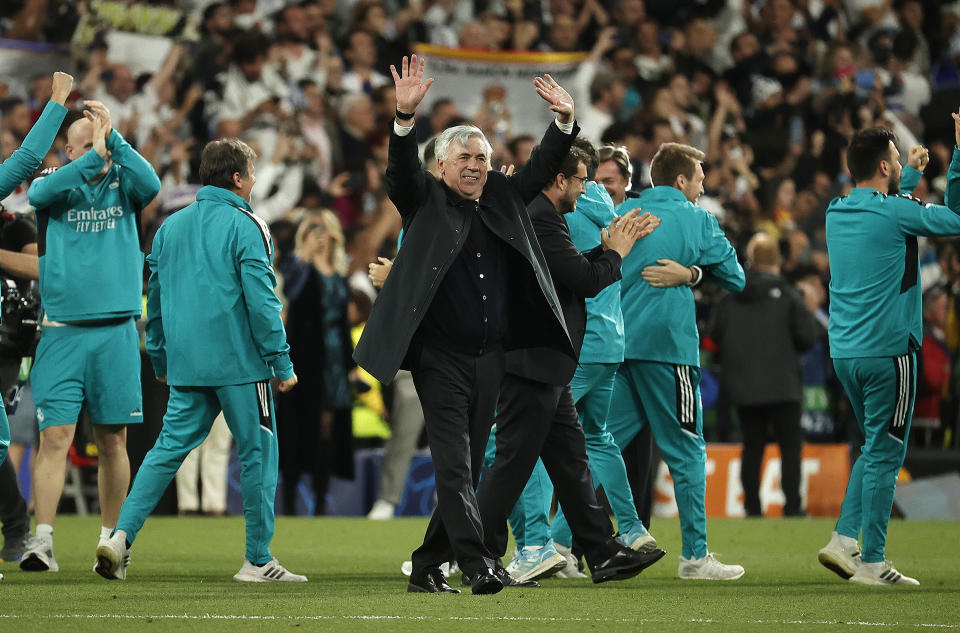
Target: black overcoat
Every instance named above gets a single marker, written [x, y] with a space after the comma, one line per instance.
[436, 222]
[576, 276]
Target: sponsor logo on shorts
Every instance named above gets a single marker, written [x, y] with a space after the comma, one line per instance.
[39, 414]
[136, 413]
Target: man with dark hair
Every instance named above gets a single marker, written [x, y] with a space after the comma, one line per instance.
[875, 331]
[658, 382]
[217, 350]
[91, 282]
[537, 416]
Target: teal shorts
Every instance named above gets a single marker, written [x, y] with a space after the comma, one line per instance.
[93, 365]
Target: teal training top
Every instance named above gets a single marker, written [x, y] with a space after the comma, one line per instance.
[91, 265]
[603, 339]
[18, 168]
[661, 323]
[35, 146]
[212, 316]
[874, 265]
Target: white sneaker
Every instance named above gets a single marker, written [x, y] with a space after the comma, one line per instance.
[638, 540]
[113, 557]
[270, 572]
[881, 574]
[841, 555]
[534, 564]
[572, 568]
[707, 568]
[381, 511]
[39, 555]
[448, 569]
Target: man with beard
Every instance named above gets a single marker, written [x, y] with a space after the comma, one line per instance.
[537, 414]
[875, 331]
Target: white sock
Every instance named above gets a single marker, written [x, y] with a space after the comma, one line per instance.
[873, 568]
[44, 530]
[845, 541]
[105, 531]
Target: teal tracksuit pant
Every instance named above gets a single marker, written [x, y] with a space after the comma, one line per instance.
[667, 397]
[249, 413]
[881, 391]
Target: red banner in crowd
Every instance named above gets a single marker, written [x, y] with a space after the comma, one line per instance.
[824, 471]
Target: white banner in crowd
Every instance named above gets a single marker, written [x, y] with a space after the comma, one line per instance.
[471, 77]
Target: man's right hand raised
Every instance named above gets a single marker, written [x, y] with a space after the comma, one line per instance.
[410, 85]
[62, 85]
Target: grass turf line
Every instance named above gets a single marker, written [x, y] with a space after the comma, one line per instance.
[181, 579]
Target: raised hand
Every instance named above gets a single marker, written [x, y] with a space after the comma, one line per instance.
[558, 98]
[918, 157]
[507, 170]
[99, 111]
[956, 126]
[62, 85]
[410, 84]
[101, 123]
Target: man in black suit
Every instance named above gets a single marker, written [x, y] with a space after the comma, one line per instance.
[536, 416]
[469, 282]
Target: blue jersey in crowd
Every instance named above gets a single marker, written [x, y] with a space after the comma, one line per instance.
[875, 310]
[212, 316]
[661, 323]
[91, 264]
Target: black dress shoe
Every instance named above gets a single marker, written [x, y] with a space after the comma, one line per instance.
[625, 563]
[485, 582]
[510, 581]
[430, 580]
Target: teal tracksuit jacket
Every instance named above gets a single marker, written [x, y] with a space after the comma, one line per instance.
[212, 316]
[661, 322]
[91, 263]
[603, 339]
[14, 171]
[875, 310]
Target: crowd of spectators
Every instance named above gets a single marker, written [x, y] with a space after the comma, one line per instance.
[770, 90]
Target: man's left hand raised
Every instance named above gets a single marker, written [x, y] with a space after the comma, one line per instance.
[559, 99]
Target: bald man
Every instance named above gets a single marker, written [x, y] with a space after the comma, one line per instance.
[91, 279]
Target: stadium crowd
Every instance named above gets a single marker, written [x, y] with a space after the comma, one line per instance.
[770, 90]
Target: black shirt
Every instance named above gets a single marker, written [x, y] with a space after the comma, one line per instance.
[468, 313]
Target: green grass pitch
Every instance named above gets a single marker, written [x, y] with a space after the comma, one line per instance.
[180, 579]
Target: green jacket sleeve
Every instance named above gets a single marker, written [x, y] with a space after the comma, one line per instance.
[25, 160]
[719, 257]
[156, 343]
[50, 189]
[917, 218]
[909, 179]
[263, 307]
[140, 182]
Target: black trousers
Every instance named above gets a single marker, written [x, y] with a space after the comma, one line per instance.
[755, 421]
[638, 459]
[534, 420]
[458, 393]
[13, 507]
